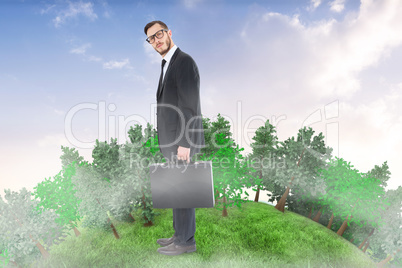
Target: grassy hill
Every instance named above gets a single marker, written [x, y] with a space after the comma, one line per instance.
[256, 236]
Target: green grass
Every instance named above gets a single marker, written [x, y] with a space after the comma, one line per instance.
[256, 236]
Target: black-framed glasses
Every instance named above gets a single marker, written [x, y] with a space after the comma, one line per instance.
[158, 34]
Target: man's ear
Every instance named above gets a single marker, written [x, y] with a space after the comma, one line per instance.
[170, 33]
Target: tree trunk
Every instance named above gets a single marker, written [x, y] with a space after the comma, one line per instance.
[42, 250]
[281, 204]
[216, 197]
[365, 240]
[131, 216]
[109, 221]
[311, 212]
[383, 262]
[16, 264]
[343, 226]
[224, 212]
[318, 215]
[148, 223]
[113, 229]
[387, 259]
[330, 221]
[77, 233]
[257, 195]
[365, 248]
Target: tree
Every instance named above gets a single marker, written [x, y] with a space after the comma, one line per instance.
[4, 255]
[220, 127]
[24, 230]
[69, 156]
[143, 151]
[94, 191]
[382, 174]
[106, 160]
[231, 174]
[211, 131]
[111, 165]
[59, 195]
[264, 149]
[314, 154]
[350, 193]
[389, 236]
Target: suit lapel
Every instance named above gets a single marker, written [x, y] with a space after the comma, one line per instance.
[167, 73]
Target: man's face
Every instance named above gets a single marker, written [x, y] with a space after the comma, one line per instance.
[162, 45]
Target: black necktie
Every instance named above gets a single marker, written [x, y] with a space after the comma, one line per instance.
[160, 78]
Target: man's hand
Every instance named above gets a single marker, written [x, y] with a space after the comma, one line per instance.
[183, 153]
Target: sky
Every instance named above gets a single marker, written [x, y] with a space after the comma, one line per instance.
[73, 71]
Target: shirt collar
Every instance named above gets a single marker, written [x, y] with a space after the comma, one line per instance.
[170, 53]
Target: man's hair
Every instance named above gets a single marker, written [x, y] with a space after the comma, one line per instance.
[152, 23]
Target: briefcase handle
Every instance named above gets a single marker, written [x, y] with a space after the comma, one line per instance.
[177, 161]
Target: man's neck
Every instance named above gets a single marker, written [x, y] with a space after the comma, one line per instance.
[169, 54]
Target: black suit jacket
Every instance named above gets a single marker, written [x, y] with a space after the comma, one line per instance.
[179, 121]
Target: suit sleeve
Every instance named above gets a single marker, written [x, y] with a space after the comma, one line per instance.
[188, 93]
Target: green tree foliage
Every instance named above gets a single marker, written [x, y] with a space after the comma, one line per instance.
[58, 194]
[302, 157]
[94, 192]
[387, 238]
[351, 194]
[211, 132]
[110, 165]
[24, 230]
[264, 157]
[69, 156]
[4, 255]
[231, 173]
[106, 160]
[364, 236]
[143, 151]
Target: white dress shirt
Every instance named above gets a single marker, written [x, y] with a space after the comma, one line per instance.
[167, 58]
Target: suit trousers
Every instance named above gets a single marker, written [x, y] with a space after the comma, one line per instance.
[184, 226]
[183, 222]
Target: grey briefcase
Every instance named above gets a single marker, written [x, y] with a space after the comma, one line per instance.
[182, 185]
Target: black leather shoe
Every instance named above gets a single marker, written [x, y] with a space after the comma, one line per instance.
[166, 241]
[174, 249]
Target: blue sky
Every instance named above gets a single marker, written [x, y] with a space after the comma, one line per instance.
[332, 65]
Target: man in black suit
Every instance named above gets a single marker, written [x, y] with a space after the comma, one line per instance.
[179, 123]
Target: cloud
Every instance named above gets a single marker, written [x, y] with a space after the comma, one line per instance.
[74, 10]
[53, 140]
[313, 5]
[94, 58]
[324, 57]
[117, 64]
[47, 9]
[378, 133]
[80, 50]
[337, 5]
[153, 56]
[59, 112]
[107, 13]
[294, 67]
[191, 3]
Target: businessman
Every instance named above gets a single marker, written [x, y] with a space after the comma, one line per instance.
[179, 123]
